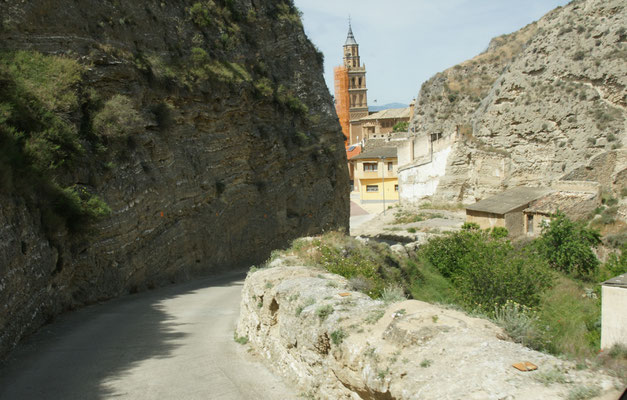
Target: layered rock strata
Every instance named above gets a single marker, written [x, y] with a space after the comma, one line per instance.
[235, 148]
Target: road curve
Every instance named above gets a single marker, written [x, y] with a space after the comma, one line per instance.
[170, 343]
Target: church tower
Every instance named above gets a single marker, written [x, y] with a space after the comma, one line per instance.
[356, 78]
[350, 90]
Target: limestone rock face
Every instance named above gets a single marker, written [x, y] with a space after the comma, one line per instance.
[537, 105]
[339, 344]
[239, 149]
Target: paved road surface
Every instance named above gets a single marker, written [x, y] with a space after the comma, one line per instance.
[170, 343]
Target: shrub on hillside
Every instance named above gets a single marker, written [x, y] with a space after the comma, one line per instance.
[370, 267]
[567, 245]
[118, 118]
[487, 270]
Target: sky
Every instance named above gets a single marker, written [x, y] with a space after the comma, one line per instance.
[405, 42]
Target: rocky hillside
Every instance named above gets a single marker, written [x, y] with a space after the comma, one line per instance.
[537, 105]
[144, 142]
[348, 346]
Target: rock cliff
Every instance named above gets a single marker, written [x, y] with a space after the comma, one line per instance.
[339, 344]
[537, 105]
[145, 142]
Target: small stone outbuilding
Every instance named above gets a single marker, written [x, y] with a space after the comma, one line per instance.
[505, 209]
[575, 205]
[614, 312]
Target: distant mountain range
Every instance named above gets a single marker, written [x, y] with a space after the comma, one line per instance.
[387, 106]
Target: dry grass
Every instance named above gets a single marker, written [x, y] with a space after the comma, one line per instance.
[442, 206]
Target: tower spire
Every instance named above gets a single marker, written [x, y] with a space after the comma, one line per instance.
[350, 38]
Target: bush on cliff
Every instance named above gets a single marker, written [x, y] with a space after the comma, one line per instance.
[371, 267]
[38, 142]
[118, 118]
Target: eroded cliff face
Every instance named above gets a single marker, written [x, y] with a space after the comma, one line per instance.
[205, 127]
[537, 105]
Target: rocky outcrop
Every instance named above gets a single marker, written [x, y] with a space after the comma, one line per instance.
[222, 146]
[552, 100]
[339, 344]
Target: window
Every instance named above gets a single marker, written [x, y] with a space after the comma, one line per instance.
[359, 82]
[390, 166]
[396, 188]
[370, 166]
[372, 188]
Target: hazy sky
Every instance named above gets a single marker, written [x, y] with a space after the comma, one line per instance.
[405, 42]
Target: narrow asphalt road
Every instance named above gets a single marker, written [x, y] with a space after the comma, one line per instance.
[170, 343]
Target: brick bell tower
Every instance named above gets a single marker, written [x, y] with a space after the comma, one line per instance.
[357, 91]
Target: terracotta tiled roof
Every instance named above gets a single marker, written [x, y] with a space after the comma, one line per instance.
[353, 151]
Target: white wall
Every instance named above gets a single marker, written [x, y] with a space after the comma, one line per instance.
[613, 316]
[417, 182]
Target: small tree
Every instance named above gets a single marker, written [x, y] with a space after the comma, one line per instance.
[567, 245]
[401, 126]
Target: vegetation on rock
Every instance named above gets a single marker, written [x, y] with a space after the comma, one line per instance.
[38, 141]
[539, 291]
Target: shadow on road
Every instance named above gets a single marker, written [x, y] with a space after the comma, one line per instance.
[76, 356]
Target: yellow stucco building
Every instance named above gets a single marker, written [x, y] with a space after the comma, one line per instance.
[375, 175]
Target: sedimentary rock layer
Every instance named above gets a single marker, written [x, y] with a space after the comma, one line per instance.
[234, 150]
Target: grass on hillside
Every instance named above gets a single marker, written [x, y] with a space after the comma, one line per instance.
[38, 95]
[562, 318]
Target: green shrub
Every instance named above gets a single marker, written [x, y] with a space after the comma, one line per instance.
[583, 392]
[402, 126]
[338, 336]
[487, 270]
[469, 226]
[494, 272]
[264, 87]
[118, 118]
[240, 339]
[352, 263]
[324, 311]
[393, 294]
[36, 92]
[520, 322]
[286, 96]
[567, 245]
[199, 14]
[499, 232]
[52, 80]
[615, 265]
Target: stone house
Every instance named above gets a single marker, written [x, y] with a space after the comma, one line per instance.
[505, 209]
[380, 124]
[574, 204]
[523, 210]
[375, 175]
[613, 315]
